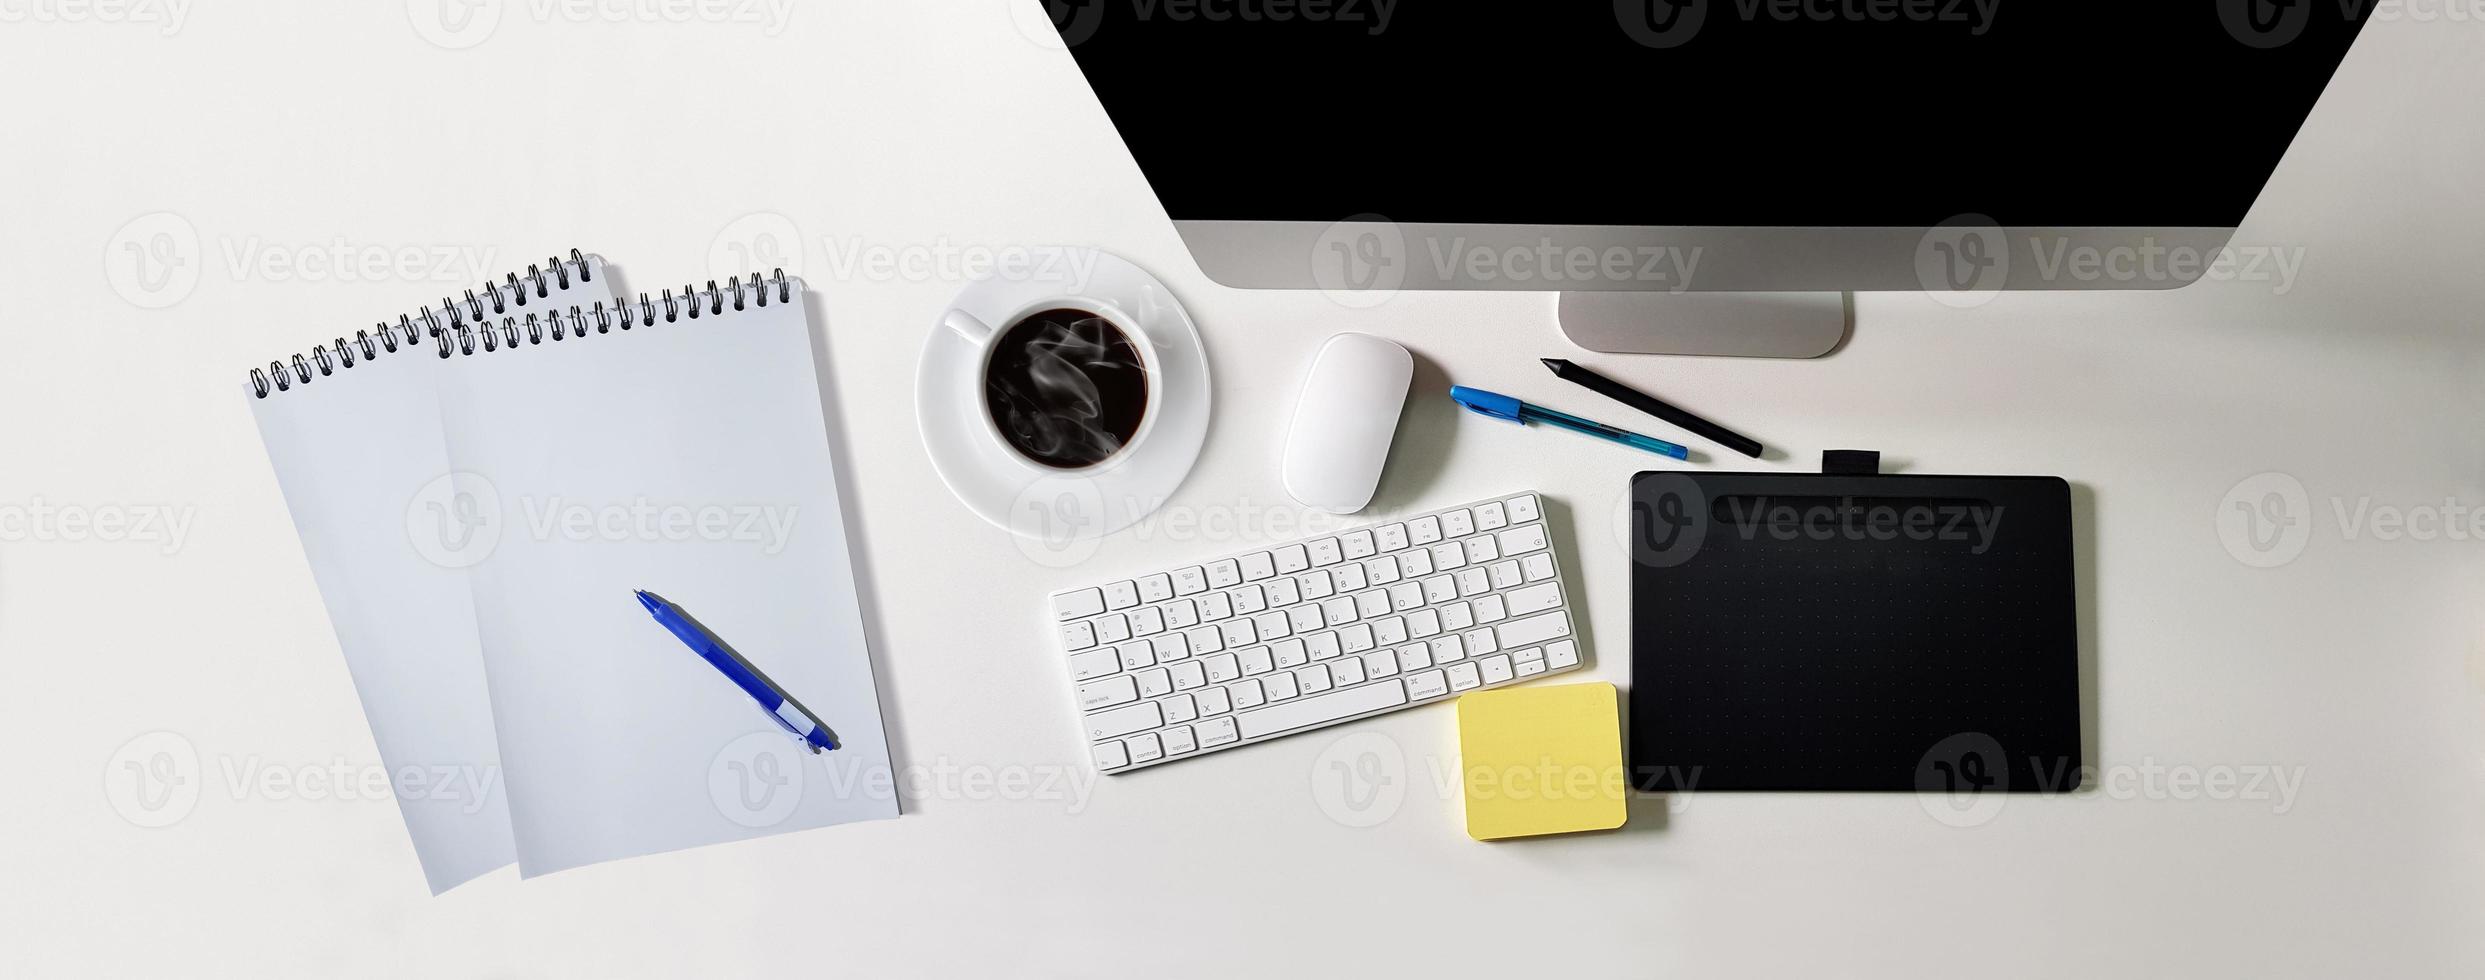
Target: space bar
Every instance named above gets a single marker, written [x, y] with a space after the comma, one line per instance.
[1321, 709]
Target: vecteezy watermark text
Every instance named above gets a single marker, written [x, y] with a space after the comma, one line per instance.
[40, 520]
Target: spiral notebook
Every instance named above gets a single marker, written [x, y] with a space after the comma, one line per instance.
[478, 496]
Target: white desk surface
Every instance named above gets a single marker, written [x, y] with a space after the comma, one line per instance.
[906, 128]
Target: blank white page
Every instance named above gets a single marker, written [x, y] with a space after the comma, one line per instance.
[365, 474]
[690, 459]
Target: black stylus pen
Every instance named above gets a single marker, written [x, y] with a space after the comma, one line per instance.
[1645, 402]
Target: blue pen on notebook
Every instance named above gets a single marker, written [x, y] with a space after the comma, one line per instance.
[1510, 409]
[771, 700]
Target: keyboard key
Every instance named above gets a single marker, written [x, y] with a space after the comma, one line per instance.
[1456, 615]
[1145, 748]
[1349, 576]
[1521, 540]
[1473, 581]
[1121, 595]
[1078, 605]
[1463, 677]
[1155, 588]
[1406, 595]
[1523, 508]
[1312, 680]
[1078, 636]
[1381, 571]
[1283, 592]
[1490, 610]
[1249, 599]
[1535, 599]
[1527, 654]
[1179, 708]
[1239, 633]
[1248, 693]
[1321, 710]
[1148, 621]
[1415, 564]
[1258, 565]
[1424, 530]
[1112, 629]
[1215, 606]
[1315, 584]
[1205, 639]
[1171, 647]
[1289, 653]
[1457, 523]
[1479, 642]
[1422, 623]
[1279, 686]
[1380, 663]
[1325, 552]
[1178, 740]
[1256, 661]
[1491, 517]
[1505, 574]
[1338, 610]
[1188, 675]
[1323, 646]
[1111, 755]
[1094, 664]
[1224, 574]
[1447, 649]
[1137, 655]
[1221, 668]
[1291, 559]
[1429, 684]
[1448, 555]
[1358, 544]
[1562, 655]
[1439, 589]
[1190, 581]
[1414, 656]
[1389, 537]
[1346, 672]
[1305, 618]
[1215, 701]
[1216, 732]
[1180, 614]
[1117, 722]
[1155, 682]
[1530, 668]
[1539, 567]
[1534, 630]
[1272, 625]
[1480, 549]
[1389, 631]
[1356, 638]
[1496, 668]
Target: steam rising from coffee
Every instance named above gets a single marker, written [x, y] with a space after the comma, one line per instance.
[1066, 387]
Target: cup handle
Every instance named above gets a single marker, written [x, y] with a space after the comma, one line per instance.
[966, 326]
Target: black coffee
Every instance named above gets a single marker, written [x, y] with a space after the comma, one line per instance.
[1066, 387]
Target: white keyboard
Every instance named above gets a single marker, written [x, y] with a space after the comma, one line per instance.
[1280, 640]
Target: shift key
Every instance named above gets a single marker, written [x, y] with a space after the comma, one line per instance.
[1123, 721]
[1533, 630]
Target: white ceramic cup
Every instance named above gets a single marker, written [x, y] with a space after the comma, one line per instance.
[982, 336]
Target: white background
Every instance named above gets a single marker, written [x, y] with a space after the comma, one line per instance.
[897, 127]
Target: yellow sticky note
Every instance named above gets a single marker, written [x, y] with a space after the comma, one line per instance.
[1542, 760]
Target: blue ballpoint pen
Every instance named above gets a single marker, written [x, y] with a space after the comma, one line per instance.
[789, 715]
[1510, 409]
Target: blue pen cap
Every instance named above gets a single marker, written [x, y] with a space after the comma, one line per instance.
[1483, 402]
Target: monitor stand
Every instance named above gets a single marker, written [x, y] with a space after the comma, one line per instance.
[1717, 324]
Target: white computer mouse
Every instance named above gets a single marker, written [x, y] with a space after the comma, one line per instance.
[1344, 421]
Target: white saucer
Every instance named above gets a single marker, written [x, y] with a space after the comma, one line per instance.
[1066, 507]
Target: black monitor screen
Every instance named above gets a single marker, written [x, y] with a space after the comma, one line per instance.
[1804, 113]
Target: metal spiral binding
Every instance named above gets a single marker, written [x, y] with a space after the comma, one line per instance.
[463, 336]
[503, 298]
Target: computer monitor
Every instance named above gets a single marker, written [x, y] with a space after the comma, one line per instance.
[1707, 176]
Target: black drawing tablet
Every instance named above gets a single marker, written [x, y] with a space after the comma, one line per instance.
[1853, 632]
